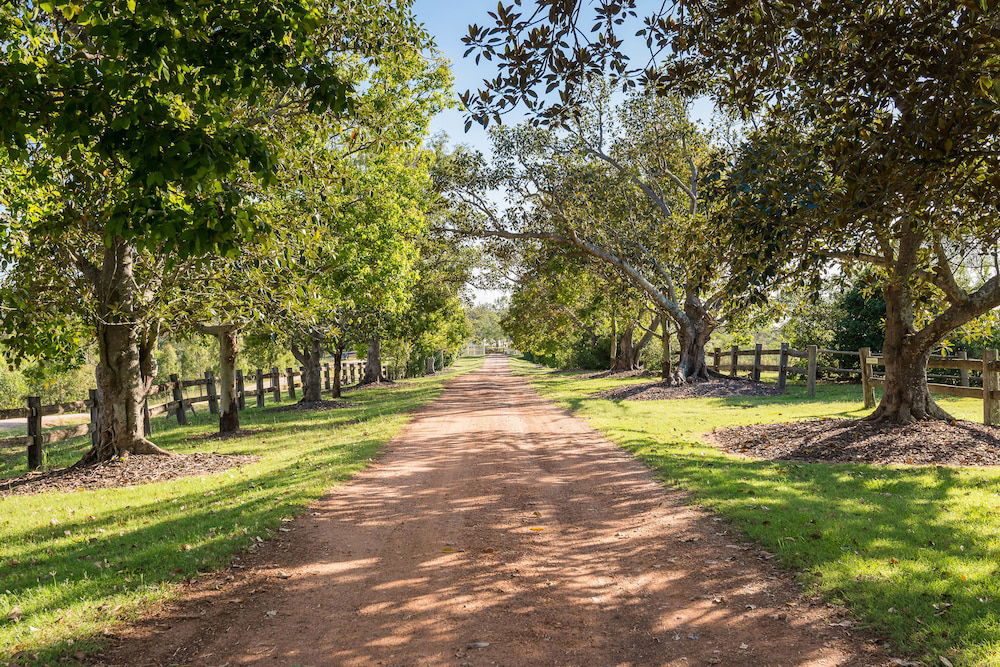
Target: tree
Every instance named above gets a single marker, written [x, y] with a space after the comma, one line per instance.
[123, 157]
[628, 186]
[878, 147]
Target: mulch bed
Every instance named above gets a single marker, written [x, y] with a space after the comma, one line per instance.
[716, 387]
[641, 373]
[855, 441]
[138, 469]
[215, 435]
[315, 405]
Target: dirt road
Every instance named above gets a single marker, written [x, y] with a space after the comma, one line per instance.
[498, 530]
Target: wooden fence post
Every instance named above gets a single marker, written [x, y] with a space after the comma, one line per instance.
[241, 393]
[213, 398]
[756, 361]
[260, 387]
[783, 367]
[326, 376]
[178, 395]
[291, 382]
[716, 359]
[811, 352]
[867, 388]
[95, 437]
[963, 373]
[991, 387]
[276, 384]
[35, 455]
[734, 360]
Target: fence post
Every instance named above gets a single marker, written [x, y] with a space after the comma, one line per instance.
[35, 455]
[867, 388]
[963, 373]
[241, 393]
[260, 387]
[276, 384]
[213, 398]
[291, 382]
[783, 367]
[326, 376]
[756, 361]
[734, 360]
[811, 351]
[95, 437]
[178, 395]
[991, 386]
[716, 359]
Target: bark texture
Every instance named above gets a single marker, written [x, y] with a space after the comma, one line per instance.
[309, 355]
[373, 365]
[125, 367]
[692, 334]
[905, 398]
[229, 349]
[338, 361]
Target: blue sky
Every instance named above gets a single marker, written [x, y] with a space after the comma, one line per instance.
[448, 21]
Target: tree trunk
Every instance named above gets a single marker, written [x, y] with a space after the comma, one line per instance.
[905, 398]
[373, 367]
[666, 372]
[229, 349]
[692, 335]
[338, 357]
[614, 341]
[626, 359]
[312, 373]
[121, 386]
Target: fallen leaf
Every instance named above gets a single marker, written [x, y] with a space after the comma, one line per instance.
[271, 613]
[15, 613]
[537, 528]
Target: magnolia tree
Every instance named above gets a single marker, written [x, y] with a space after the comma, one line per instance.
[878, 149]
[624, 185]
[123, 158]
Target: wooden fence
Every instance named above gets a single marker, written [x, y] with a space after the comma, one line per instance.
[166, 399]
[983, 372]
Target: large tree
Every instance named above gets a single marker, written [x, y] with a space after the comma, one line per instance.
[877, 148]
[626, 185]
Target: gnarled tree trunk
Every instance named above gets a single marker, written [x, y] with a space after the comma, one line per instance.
[693, 332]
[229, 350]
[312, 373]
[666, 370]
[338, 359]
[905, 397]
[373, 365]
[124, 373]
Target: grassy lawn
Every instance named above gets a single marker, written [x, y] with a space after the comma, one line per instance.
[73, 564]
[914, 552]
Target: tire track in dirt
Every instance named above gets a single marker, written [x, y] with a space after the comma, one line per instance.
[499, 530]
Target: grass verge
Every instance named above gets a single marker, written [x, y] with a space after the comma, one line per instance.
[75, 564]
[913, 552]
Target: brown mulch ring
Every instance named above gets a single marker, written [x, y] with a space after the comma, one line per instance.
[215, 435]
[959, 443]
[138, 469]
[716, 387]
[314, 405]
[641, 373]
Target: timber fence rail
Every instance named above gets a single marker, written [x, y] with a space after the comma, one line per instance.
[170, 399]
[972, 378]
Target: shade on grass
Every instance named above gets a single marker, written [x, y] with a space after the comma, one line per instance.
[912, 551]
[73, 564]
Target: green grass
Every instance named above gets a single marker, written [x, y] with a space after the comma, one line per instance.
[912, 551]
[73, 564]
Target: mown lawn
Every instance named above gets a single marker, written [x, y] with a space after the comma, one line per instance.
[914, 552]
[74, 564]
